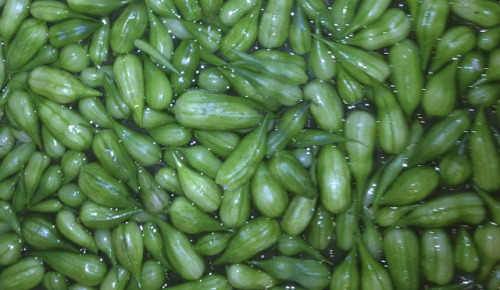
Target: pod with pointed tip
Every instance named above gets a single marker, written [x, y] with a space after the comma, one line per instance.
[455, 167]
[141, 147]
[242, 276]
[114, 102]
[347, 228]
[23, 112]
[350, 90]
[321, 59]
[325, 105]
[47, 55]
[128, 246]
[208, 38]
[13, 14]
[69, 227]
[292, 245]
[41, 233]
[488, 39]
[212, 243]
[298, 214]
[153, 243]
[268, 196]
[54, 281]
[291, 175]
[455, 42]
[213, 80]
[367, 13]
[274, 23]
[71, 31]
[7, 140]
[73, 57]
[94, 76]
[96, 216]
[71, 163]
[185, 60]
[190, 219]
[8, 215]
[373, 274]
[235, 208]
[130, 25]
[50, 182]
[321, 229]
[466, 255]
[16, 159]
[167, 178]
[346, 275]
[487, 237]
[158, 90]
[469, 70]
[201, 159]
[10, 248]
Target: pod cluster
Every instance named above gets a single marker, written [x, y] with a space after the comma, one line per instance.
[249, 144]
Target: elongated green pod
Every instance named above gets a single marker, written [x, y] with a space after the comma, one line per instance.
[347, 228]
[321, 229]
[8, 215]
[167, 178]
[346, 275]
[487, 238]
[367, 13]
[321, 59]
[465, 254]
[26, 273]
[50, 181]
[154, 198]
[128, 246]
[202, 159]
[130, 25]
[292, 245]
[185, 60]
[373, 274]
[233, 10]
[212, 243]
[13, 14]
[401, 249]
[291, 175]
[158, 90]
[96, 216]
[455, 167]
[325, 105]
[300, 32]
[16, 159]
[469, 70]
[209, 39]
[153, 243]
[235, 208]
[342, 13]
[268, 196]
[41, 233]
[33, 171]
[115, 278]
[298, 214]
[7, 140]
[31, 36]
[24, 114]
[242, 276]
[274, 23]
[141, 147]
[11, 245]
[436, 256]
[455, 42]
[71, 164]
[71, 31]
[388, 216]
[221, 143]
[250, 239]
[439, 97]
[190, 219]
[47, 55]
[69, 227]
[483, 13]
[492, 204]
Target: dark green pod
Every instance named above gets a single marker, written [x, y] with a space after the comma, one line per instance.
[321, 229]
[130, 25]
[7, 140]
[213, 80]
[455, 42]
[388, 216]
[298, 214]
[233, 10]
[66, 222]
[268, 196]
[54, 281]
[455, 167]
[13, 14]
[115, 105]
[213, 243]
[190, 219]
[51, 205]
[71, 164]
[342, 12]
[87, 269]
[128, 246]
[373, 274]
[163, 8]
[158, 90]
[171, 134]
[225, 112]
[483, 13]
[274, 23]
[484, 95]
[235, 208]
[465, 254]
[97, 7]
[141, 147]
[347, 229]
[69, 194]
[95, 111]
[487, 238]
[488, 39]
[99, 47]
[45, 56]
[167, 178]
[41, 233]
[103, 241]
[24, 114]
[436, 256]
[73, 57]
[346, 275]
[8, 215]
[242, 276]
[16, 159]
[185, 60]
[28, 40]
[153, 243]
[321, 59]
[250, 239]
[53, 147]
[201, 159]
[492, 204]
[189, 9]
[469, 70]
[325, 105]
[71, 31]
[8, 187]
[50, 182]
[26, 274]
[402, 255]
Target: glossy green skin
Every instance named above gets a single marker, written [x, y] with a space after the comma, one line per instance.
[208, 38]
[235, 208]
[114, 102]
[128, 246]
[483, 13]
[250, 239]
[292, 245]
[54, 281]
[221, 143]
[465, 254]
[130, 25]
[163, 8]
[48, 54]
[346, 274]
[49, 183]
[71, 163]
[373, 274]
[141, 147]
[7, 140]
[154, 198]
[71, 31]
[101, 187]
[290, 174]
[69, 227]
[94, 110]
[16, 159]
[41, 233]
[455, 42]
[268, 196]
[10, 245]
[190, 219]
[70, 195]
[342, 13]
[25, 274]
[73, 57]
[488, 40]
[186, 60]
[97, 7]
[99, 48]
[211, 79]
[31, 36]
[158, 90]
[166, 177]
[201, 159]
[300, 32]
[401, 249]
[367, 13]
[212, 243]
[274, 23]
[298, 214]
[52, 146]
[455, 167]
[321, 59]
[24, 114]
[347, 229]
[116, 279]
[171, 134]
[215, 281]
[487, 238]
[233, 10]
[325, 105]
[436, 256]
[470, 69]
[242, 276]
[350, 90]
[94, 76]
[155, 118]
[13, 14]
[321, 229]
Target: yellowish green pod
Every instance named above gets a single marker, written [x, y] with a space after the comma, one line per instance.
[13, 14]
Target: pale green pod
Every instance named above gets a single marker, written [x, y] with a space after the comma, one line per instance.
[141, 147]
[268, 196]
[373, 274]
[274, 23]
[94, 76]
[94, 110]
[242, 276]
[221, 143]
[159, 37]
[71, 31]
[7, 140]
[158, 90]
[176, 28]
[325, 105]
[213, 243]
[66, 222]
[350, 90]
[212, 79]
[154, 198]
[25, 274]
[54, 281]
[114, 102]
[436, 256]
[13, 14]
[209, 39]
[185, 60]
[235, 208]
[201, 159]
[298, 214]
[342, 13]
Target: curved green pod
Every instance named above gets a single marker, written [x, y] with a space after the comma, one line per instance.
[189, 9]
[212, 79]
[454, 42]
[101, 187]
[50, 182]
[41, 233]
[492, 204]
[33, 172]
[436, 256]
[103, 241]
[290, 174]
[373, 274]
[59, 85]
[163, 8]
[24, 114]
[54, 281]
[406, 73]
[28, 40]
[159, 37]
[484, 154]
[321, 59]
[185, 60]
[462, 207]
[154, 198]
[71, 164]
[430, 23]
[8, 187]
[25, 274]
[201, 159]
[208, 111]
[372, 239]
[53, 147]
[325, 105]
[488, 39]
[392, 27]
[482, 13]
[8, 215]
[342, 13]
[346, 275]
[274, 23]
[94, 76]
[300, 32]
[465, 254]
[66, 222]
[114, 102]
[51, 205]
[152, 118]
[87, 269]
[73, 57]
[347, 228]
[281, 56]
[311, 274]
[13, 14]
[141, 147]
[268, 196]
[130, 25]
[99, 48]
[388, 216]
[401, 247]
[71, 31]
[367, 13]
[298, 214]
[214, 281]
[128, 246]
[158, 90]
[250, 239]
[321, 229]
[235, 208]
[484, 95]
[47, 55]
[212, 243]
[487, 237]
[233, 10]
[411, 187]
[455, 167]
[190, 219]
[292, 245]
[14, 161]
[242, 276]
[129, 77]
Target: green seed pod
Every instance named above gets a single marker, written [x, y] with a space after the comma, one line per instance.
[158, 90]
[488, 38]
[73, 57]
[373, 274]
[129, 76]
[412, 186]
[367, 13]
[469, 70]
[300, 32]
[8, 215]
[436, 256]
[159, 37]
[154, 118]
[71, 164]
[26, 273]
[190, 219]
[116, 278]
[96, 216]
[153, 275]
[200, 189]
[482, 13]
[180, 252]
[346, 274]
[128, 247]
[115, 105]
[492, 73]
[24, 114]
[171, 134]
[45, 56]
[153, 243]
[211, 281]
[51, 205]
[174, 25]
[71, 31]
[392, 27]
[311, 274]
[202, 159]
[315, 137]
[235, 207]
[283, 57]
[455, 42]
[455, 166]
[54, 281]
[231, 113]
[342, 12]
[28, 40]
[446, 210]
[94, 76]
[250, 239]
[130, 25]
[268, 196]
[17, 81]
[242, 276]
[402, 254]
[69, 194]
[53, 147]
[101, 187]
[8, 187]
[163, 8]
[50, 182]
[103, 241]
[325, 105]
[15, 160]
[242, 34]
[441, 137]
[211, 79]
[41, 233]
[466, 254]
[372, 239]
[375, 68]
[154, 198]
[274, 23]
[350, 90]
[387, 216]
[141, 147]
[291, 246]
[213, 243]
[315, 9]
[347, 229]
[493, 281]
[484, 95]
[321, 229]
[298, 214]
[87, 269]
[487, 238]
[13, 15]
[492, 204]
[69, 227]
[321, 59]
[484, 154]
[94, 110]
[166, 177]
[189, 9]
[233, 10]
[99, 45]
[221, 143]
[186, 60]
[406, 73]
[7, 140]
[208, 38]
[10, 245]
[97, 7]
[290, 174]
[430, 23]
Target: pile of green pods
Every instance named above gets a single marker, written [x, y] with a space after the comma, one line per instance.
[249, 144]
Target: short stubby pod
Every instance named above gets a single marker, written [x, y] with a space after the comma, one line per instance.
[26, 274]
[128, 247]
[66, 222]
[401, 252]
[190, 219]
[41, 233]
[436, 256]
[373, 274]
[10, 248]
[250, 239]
[455, 166]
